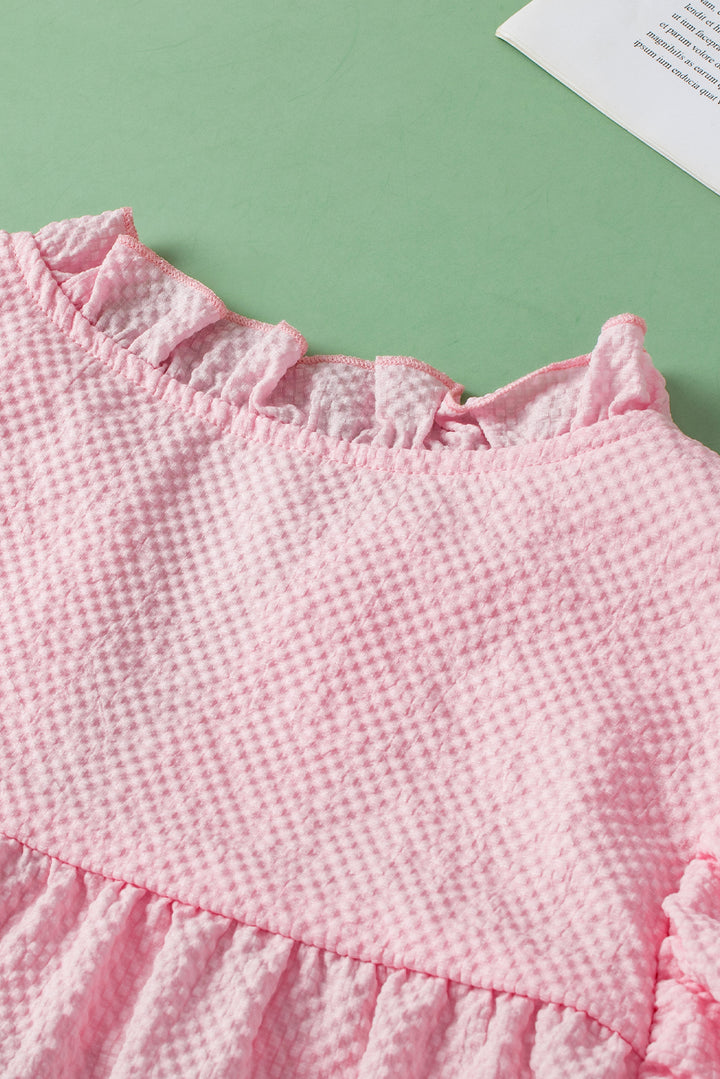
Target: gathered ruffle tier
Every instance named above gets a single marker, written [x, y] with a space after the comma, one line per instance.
[180, 327]
[112, 980]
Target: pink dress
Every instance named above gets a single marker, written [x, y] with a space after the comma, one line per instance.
[347, 731]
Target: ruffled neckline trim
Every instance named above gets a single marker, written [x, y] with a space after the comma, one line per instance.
[111, 292]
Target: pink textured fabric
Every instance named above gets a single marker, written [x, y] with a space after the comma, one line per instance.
[347, 730]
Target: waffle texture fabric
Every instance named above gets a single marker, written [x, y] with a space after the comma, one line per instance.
[348, 731]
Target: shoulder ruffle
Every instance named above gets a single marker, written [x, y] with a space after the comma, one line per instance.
[685, 1033]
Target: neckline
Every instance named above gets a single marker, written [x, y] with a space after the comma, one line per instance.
[40, 280]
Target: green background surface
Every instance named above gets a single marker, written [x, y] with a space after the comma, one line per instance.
[388, 178]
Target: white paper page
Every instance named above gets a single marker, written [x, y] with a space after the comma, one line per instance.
[653, 66]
